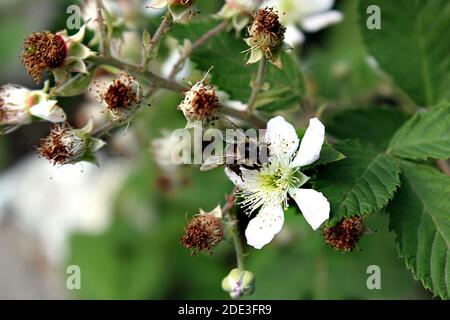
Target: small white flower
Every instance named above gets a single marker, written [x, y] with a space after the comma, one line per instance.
[306, 15]
[18, 106]
[268, 188]
[166, 151]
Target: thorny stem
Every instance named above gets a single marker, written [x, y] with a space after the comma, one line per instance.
[158, 82]
[245, 116]
[154, 42]
[104, 45]
[138, 72]
[234, 231]
[105, 129]
[197, 44]
[257, 85]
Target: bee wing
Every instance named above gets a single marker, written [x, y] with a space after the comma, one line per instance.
[238, 135]
[216, 161]
[212, 162]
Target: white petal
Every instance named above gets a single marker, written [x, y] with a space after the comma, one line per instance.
[309, 7]
[48, 110]
[281, 137]
[233, 177]
[263, 228]
[293, 36]
[319, 21]
[157, 4]
[314, 206]
[311, 144]
[255, 56]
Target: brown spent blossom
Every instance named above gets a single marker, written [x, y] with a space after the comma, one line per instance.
[202, 233]
[200, 103]
[267, 32]
[345, 234]
[42, 51]
[120, 94]
[62, 145]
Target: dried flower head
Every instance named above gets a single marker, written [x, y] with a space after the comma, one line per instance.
[345, 234]
[266, 35]
[66, 145]
[63, 145]
[203, 232]
[122, 97]
[200, 104]
[42, 51]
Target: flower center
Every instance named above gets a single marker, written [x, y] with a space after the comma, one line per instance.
[43, 50]
[33, 99]
[270, 186]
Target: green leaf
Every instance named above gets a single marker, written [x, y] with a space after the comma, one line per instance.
[316, 271]
[338, 67]
[426, 135]
[419, 215]
[75, 85]
[360, 184]
[282, 89]
[412, 46]
[373, 125]
[328, 153]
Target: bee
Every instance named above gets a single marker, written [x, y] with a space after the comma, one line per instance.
[240, 152]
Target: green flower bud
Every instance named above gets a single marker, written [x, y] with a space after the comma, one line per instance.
[239, 283]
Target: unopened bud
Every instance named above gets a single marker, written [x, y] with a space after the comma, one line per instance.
[239, 283]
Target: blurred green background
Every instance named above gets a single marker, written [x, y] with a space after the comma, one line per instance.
[139, 256]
